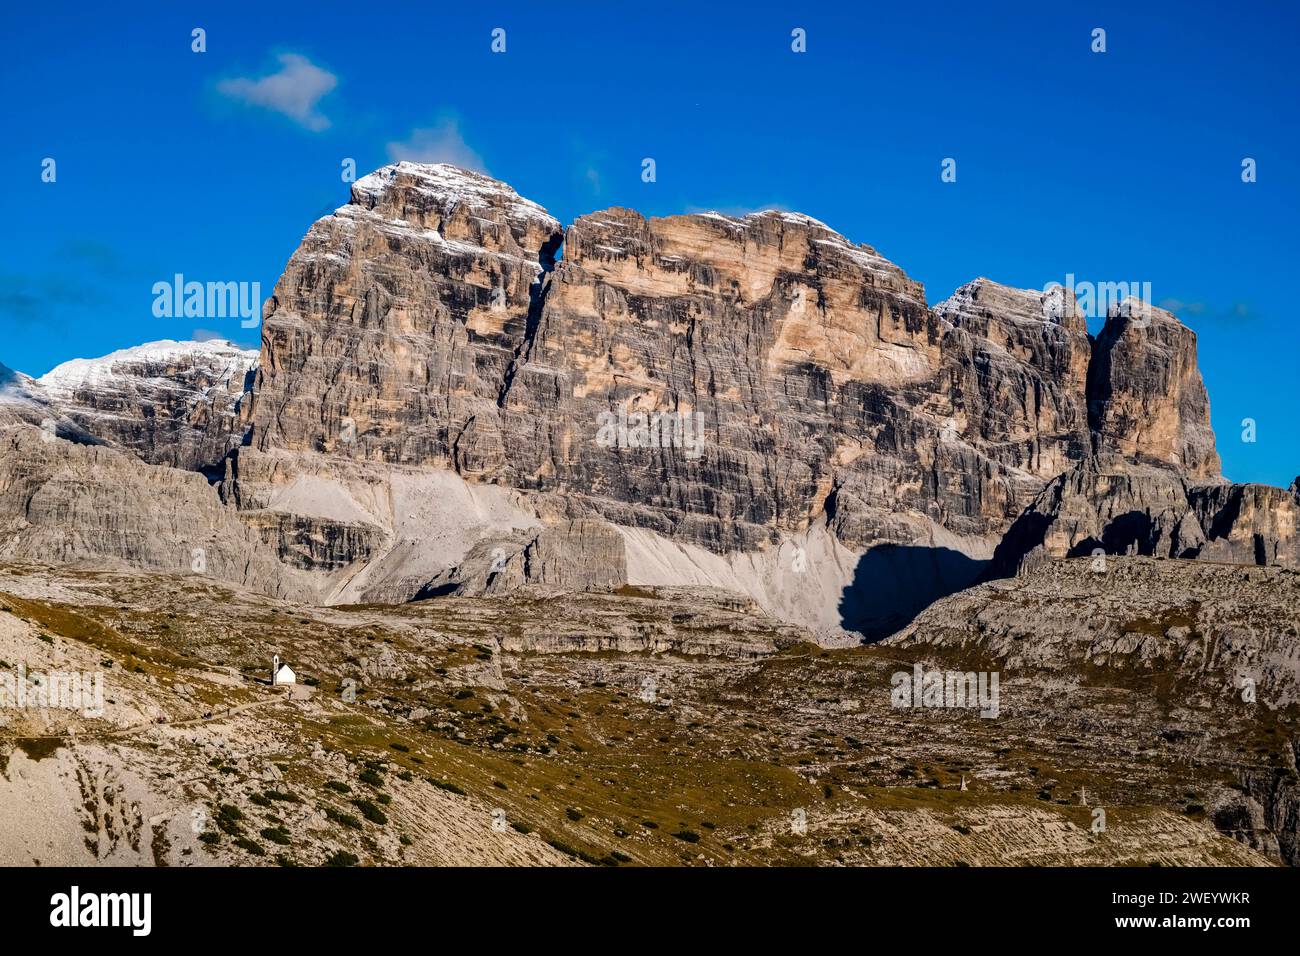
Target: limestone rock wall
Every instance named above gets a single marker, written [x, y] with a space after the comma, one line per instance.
[783, 372]
[445, 372]
[169, 403]
[1124, 508]
[1146, 399]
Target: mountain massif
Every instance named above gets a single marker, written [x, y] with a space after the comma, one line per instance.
[440, 357]
[725, 452]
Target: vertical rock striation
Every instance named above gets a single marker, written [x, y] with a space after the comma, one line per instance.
[700, 399]
[1146, 400]
[170, 403]
[393, 329]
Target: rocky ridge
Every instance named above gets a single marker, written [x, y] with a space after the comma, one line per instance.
[1115, 507]
[444, 404]
[170, 403]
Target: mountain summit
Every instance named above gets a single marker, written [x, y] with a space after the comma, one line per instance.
[444, 404]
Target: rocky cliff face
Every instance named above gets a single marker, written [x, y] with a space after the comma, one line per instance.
[1146, 400]
[392, 331]
[1016, 363]
[753, 403]
[771, 332]
[24, 402]
[65, 502]
[170, 403]
[1119, 508]
[821, 379]
[718, 380]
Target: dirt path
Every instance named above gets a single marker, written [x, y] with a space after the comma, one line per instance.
[190, 722]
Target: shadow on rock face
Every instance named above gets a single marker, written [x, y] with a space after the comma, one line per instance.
[1130, 533]
[894, 583]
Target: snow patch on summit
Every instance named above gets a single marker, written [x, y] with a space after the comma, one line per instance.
[107, 370]
[454, 185]
[22, 391]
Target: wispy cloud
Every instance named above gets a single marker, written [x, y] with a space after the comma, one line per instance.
[207, 335]
[588, 165]
[43, 298]
[440, 143]
[295, 90]
[1237, 312]
[97, 255]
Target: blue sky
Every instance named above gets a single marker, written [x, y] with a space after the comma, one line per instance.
[1118, 166]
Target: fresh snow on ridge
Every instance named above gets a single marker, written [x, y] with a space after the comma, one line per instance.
[19, 389]
[864, 256]
[111, 368]
[170, 403]
[454, 184]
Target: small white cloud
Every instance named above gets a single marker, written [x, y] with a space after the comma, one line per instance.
[440, 143]
[1237, 312]
[207, 335]
[294, 90]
